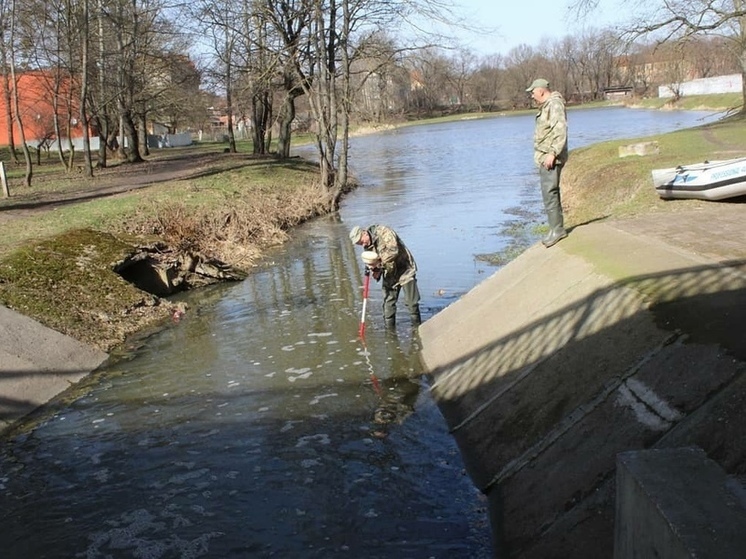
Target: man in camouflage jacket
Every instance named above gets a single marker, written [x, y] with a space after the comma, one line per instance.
[397, 268]
[550, 154]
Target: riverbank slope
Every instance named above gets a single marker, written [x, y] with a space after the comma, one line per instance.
[627, 335]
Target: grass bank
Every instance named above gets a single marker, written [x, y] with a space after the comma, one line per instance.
[58, 253]
[727, 102]
[599, 184]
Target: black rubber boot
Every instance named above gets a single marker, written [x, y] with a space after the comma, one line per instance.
[416, 318]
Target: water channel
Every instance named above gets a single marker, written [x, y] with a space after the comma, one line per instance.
[260, 425]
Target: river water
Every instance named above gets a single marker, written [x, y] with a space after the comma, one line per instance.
[260, 424]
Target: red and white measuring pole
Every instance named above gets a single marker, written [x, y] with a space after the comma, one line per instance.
[366, 288]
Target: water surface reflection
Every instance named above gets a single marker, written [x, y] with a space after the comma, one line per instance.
[258, 426]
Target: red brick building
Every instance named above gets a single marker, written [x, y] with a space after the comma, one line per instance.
[36, 95]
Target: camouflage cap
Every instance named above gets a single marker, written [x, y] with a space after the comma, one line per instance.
[356, 234]
[539, 82]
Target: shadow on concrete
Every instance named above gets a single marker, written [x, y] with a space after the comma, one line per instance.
[23, 392]
[541, 411]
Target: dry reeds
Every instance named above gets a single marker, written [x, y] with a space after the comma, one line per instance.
[234, 230]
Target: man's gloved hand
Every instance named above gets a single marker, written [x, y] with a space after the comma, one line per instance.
[376, 273]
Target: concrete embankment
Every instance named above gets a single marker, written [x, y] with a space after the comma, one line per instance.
[36, 364]
[628, 335]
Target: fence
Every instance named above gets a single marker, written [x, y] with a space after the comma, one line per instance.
[155, 141]
[705, 86]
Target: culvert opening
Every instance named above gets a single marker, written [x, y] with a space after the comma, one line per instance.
[164, 273]
[149, 275]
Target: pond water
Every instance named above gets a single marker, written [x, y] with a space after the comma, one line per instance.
[260, 424]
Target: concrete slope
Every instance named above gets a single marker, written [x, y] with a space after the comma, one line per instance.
[626, 335]
[36, 364]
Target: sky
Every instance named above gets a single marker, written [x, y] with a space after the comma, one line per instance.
[524, 22]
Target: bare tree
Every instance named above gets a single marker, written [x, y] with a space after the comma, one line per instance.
[681, 20]
[56, 41]
[132, 24]
[102, 99]
[84, 54]
[594, 62]
[488, 82]
[332, 30]
[5, 75]
[673, 67]
[16, 105]
[562, 56]
[636, 68]
[524, 64]
[291, 21]
[432, 80]
[218, 21]
[258, 70]
[711, 56]
[379, 79]
[463, 65]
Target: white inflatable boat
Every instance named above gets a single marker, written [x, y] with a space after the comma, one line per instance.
[711, 180]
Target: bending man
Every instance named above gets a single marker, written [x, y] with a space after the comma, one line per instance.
[397, 268]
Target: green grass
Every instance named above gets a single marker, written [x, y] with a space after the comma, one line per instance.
[107, 213]
[598, 184]
[716, 102]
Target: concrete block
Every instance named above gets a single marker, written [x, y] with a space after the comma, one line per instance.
[643, 148]
[677, 504]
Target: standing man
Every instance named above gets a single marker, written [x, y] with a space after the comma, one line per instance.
[550, 154]
[397, 266]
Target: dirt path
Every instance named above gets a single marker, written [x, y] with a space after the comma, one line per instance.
[119, 179]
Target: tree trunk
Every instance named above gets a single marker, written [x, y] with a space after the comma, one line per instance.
[231, 134]
[229, 91]
[102, 113]
[343, 108]
[143, 134]
[261, 115]
[127, 51]
[325, 98]
[88, 167]
[287, 115]
[16, 104]
[743, 72]
[130, 133]
[103, 141]
[88, 163]
[56, 121]
[71, 159]
[8, 110]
